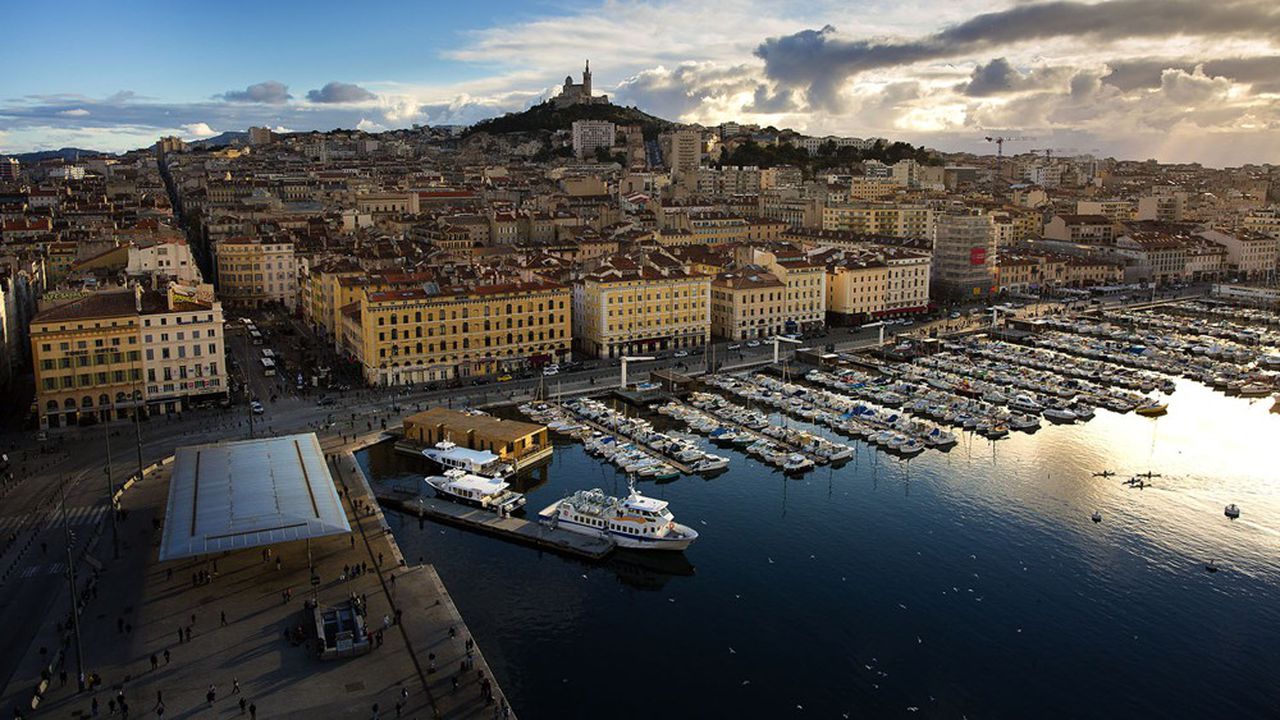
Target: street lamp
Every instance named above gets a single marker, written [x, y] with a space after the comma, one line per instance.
[111, 490]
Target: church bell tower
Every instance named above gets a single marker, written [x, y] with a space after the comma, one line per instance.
[586, 82]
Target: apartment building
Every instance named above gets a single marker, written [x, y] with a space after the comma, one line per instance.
[591, 135]
[964, 253]
[168, 259]
[429, 333]
[685, 153]
[1087, 229]
[868, 218]
[103, 354]
[805, 281]
[1114, 209]
[748, 303]
[873, 282]
[252, 273]
[1265, 221]
[1251, 255]
[642, 304]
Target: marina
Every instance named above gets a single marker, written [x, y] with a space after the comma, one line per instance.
[1041, 472]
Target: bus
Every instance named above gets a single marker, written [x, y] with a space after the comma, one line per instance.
[268, 366]
[255, 337]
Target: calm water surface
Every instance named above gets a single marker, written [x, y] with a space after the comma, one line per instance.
[966, 584]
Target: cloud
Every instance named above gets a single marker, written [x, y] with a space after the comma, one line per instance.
[73, 112]
[199, 130]
[269, 92]
[369, 126]
[340, 92]
[676, 92]
[1000, 77]
[821, 61]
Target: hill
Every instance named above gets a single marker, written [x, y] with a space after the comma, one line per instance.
[547, 117]
[230, 137]
[68, 153]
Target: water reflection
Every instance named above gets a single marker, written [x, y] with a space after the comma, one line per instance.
[975, 581]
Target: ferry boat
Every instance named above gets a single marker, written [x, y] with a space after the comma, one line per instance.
[449, 456]
[636, 521]
[490, 493]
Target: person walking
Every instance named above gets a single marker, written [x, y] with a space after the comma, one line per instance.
[253, 711]
[155, 662]
[211, 695]
[242, 705]
[223, 618]
[235, 686]
[166, 656]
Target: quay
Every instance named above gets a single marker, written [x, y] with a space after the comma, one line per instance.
[518, 530]
[682, 467]
[166, 634]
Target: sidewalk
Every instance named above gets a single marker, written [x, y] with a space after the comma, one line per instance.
[143, 605]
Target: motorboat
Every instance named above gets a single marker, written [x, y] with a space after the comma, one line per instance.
[796, 464]
[1232, 511]
[1152, 408]
[1097, 516]
[449, 456]
[1060, 415]
[635, 521]
[490, 493]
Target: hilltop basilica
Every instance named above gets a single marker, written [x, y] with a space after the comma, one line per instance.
[579, 94]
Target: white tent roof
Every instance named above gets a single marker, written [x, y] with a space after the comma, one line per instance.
[237, 495]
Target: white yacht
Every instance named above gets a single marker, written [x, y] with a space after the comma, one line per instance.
[449, 456]
[635, 521]
[490, 493]
[1060, 415]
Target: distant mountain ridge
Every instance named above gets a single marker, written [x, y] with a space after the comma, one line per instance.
[67, 153]
[230, 137]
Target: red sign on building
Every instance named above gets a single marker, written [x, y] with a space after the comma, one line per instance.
[978, 256]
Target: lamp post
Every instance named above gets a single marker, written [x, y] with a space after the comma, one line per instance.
[71, 586]
[111, 491]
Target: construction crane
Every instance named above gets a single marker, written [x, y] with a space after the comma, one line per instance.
[1000, 140]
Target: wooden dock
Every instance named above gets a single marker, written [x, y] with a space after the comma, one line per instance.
[514, 529]
[817, 459]
[635, 443]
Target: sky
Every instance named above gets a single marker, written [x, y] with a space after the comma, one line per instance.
[1175, 80]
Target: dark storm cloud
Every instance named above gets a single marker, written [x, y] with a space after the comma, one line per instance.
[820, 61]
[340, 92]
[268, 93]
[999, 76]
[1144, 73]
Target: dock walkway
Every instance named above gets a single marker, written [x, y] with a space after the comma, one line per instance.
[520, 530]
[756, 433]
[682, 467]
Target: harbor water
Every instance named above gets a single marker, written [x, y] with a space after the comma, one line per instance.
[971, 583]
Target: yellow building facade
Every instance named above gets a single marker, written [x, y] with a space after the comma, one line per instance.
[412, 335]
[638, 310]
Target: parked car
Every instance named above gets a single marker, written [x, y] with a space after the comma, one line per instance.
[325, 401]
[735, 346]
[550, 370]
[257, 407]
[680, 353]
[752, 343]
[505, 377]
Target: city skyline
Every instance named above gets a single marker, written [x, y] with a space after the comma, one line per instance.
[1176, 81]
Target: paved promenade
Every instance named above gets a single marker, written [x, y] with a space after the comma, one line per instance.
[136, 623]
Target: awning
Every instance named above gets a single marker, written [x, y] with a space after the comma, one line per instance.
[237, 495]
